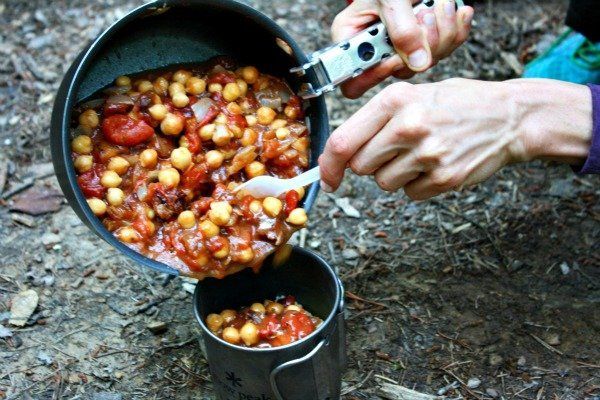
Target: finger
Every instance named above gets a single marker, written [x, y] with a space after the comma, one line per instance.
[397, 173]
[356, 87]
[352, 135]
[428, 20]
[353, 19]
[445, 13]
[464, 17]
[397, 136]
[432, 184]
[407, 36]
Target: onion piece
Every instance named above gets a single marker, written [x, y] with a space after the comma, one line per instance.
[201, 108]
[117, 90]
[119, 99]
[142, 192]
[95, 103]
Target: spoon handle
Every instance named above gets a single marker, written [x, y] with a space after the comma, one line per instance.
[306, 178]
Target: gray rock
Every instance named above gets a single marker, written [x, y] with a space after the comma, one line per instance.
[50, 239]
[495, 359]
[564, 268]
[157, 327]
[347, 208]
[350, 254]
[23, 305]
[492, 392]
[521, 361]
[473, 383]
[553, 339]
[5, 332]
[44, 357]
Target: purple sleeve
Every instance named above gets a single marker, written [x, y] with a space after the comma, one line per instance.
[592, 164]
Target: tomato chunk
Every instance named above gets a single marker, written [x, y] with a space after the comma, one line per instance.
[125, 131]
[89, 182]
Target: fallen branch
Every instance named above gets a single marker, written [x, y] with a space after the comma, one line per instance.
[397, 392]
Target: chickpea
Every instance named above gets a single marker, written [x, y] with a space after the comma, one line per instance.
[123, 81]
[150, 213]
[245, 256]
[148, 158]
[186, 219]
[220, 212]
[222, 135]
[169, 177]
[214, 322]
[272, 206]
[181, 158]
[214, 159]
[255, 168]
[265, 115]
[182, 76]
[158, 111]
[215, 88]
[249, 137]
[301, 144]
[172, 124]
[231, 91]
[243, 86]
[84, 163]
[231, 335]
[300, 190]
[115, 196]
[251, 120]
[257, 308]
[221, 119]
[228, 315]
[161, 85]
[297, 217]
[195, 86]
[82, 144]
[202, 260]
[293, 307]
[250, 74]
[89, 119]
[291, 112]
[110, 179]
[249, 334]
[145, 86]
[223, 252]
[236, 131]
[207, 131]
[180, 100]
[128, 235]
[278, 123]
[282, 133]
[274, 308]
[208, 228]
[176, 87]
[97, 206]
[234, 108]
[118, 164]
[255, 206]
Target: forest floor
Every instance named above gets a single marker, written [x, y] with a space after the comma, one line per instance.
[493, 292]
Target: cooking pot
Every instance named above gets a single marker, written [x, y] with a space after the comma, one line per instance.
[167, 33]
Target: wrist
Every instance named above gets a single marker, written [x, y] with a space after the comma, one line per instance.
[554, 120]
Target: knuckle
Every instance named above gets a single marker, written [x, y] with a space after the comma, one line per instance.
[407, 37]
[444, 180]
[384, 184]
[339, 146]
[390, 97]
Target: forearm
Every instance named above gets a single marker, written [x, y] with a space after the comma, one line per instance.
[556, 119]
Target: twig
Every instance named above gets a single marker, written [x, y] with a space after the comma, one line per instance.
[352, 296]
[352, 388]
[546, 345]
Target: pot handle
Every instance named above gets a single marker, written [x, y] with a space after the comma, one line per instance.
[350, 58]
[291, 363]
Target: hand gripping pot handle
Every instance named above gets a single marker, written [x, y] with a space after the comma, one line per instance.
[350, 58]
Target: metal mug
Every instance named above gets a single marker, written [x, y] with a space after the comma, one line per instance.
[309, 369]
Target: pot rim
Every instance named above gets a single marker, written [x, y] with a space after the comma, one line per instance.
[325, 325]
[86, 58]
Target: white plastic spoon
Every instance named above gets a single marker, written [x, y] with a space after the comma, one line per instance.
[265, 186]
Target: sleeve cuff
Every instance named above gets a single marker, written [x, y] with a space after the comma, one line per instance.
[592, 164]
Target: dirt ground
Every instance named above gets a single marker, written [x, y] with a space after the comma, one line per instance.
[493, 292]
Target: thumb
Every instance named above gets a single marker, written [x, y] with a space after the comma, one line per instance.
[409, 39]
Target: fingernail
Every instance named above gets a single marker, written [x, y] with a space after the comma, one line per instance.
[449, 8]
[429, 19]
[326, 188]
[418, 59]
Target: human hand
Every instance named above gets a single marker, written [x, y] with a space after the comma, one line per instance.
[420, 41]
[432, 138]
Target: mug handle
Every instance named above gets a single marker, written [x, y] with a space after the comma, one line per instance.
[291, 363]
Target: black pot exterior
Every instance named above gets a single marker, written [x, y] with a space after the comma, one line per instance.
[247, 373]
[166, 33]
